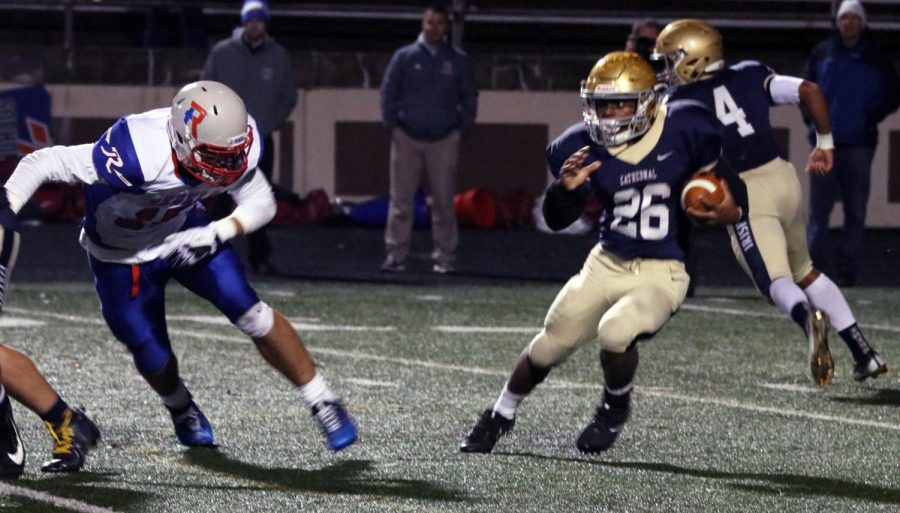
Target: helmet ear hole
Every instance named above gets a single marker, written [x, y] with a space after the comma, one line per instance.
[180, 139]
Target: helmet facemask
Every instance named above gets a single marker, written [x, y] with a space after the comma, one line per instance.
[220, 165]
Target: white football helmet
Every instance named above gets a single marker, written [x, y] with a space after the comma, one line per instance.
[209, 132]
[619, 76]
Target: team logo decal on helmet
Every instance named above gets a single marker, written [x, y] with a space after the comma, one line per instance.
[195, 120]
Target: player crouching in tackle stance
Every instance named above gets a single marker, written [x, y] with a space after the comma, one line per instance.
[770, 243]
[635, 155]
[144, 225]
[74, 434]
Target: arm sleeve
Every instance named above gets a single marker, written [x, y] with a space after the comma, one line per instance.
[255, 203]
[561, 207]
[390, 92]
[784, 90]
[67, 164]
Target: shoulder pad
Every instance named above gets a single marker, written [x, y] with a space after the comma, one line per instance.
[116, 160]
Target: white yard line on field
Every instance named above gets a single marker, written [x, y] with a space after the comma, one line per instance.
[16, 322]
[688, 306]
[59, 502]
[648, 391]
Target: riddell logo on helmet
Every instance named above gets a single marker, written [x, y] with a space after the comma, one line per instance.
[189, 115]
[605, 88]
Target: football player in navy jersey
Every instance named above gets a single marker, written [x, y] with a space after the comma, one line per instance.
[145, 225]
[634, 279]
[771, 242]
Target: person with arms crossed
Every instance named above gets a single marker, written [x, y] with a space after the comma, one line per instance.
[428, 101]
[770, 243]
[260, 71]
[635, 155]
[144, 225]
[861, 89]
[74, 433]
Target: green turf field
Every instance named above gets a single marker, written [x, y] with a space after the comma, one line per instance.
[725, 418]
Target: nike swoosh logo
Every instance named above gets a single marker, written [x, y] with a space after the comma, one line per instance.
[664, 156]
[17, 457]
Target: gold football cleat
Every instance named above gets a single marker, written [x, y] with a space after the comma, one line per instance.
[821, 363]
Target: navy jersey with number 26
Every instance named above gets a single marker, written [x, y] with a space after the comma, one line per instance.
[640, 186]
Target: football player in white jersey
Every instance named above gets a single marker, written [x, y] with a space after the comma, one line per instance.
[771, 243]
[143, 182]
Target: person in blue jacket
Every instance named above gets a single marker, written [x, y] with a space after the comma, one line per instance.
[861, 86]
[428, 100]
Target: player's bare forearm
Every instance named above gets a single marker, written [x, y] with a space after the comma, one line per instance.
[813, 100]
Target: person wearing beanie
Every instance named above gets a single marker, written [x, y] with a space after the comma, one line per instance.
[861, 88]
[260, 71]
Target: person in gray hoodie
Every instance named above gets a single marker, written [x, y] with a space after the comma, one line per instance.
[259, 70]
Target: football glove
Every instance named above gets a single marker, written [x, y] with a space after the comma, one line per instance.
[186, 248]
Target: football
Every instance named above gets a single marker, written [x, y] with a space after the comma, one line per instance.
[704, 184]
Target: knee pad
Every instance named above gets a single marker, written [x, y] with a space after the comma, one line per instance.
[616, 335]
[547, 351]
[257, 321]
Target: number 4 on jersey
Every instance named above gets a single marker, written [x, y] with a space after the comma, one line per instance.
[728, 111]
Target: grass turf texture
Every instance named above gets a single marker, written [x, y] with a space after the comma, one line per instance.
[724, 419]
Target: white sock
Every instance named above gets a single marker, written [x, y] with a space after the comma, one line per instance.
[179, 399]
[508, 403]
[314, 392]
[786, 294]
[825, 295]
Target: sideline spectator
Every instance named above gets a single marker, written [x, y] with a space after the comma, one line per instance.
[428, 100]
[861, 87]
[259, 70]
[642, 38]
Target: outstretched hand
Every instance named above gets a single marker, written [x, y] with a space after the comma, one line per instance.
[717, 214]
[820, 161]
[573, 172]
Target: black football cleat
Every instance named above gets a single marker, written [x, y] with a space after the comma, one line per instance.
[871, 366]
[485, 433]
[72, 440]
[12, 457]
[603, 430]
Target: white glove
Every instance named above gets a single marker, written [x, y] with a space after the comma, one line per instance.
[191, 246]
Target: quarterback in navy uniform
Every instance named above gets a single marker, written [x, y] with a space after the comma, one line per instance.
[144, 224]
[634, 279]
[771, 242]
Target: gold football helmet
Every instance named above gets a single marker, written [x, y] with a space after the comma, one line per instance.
[617, 77]
[689, 49]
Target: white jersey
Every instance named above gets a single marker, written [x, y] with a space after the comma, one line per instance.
[134, 195]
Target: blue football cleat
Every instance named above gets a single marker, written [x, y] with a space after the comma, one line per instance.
[335, 423]
[192, 427]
